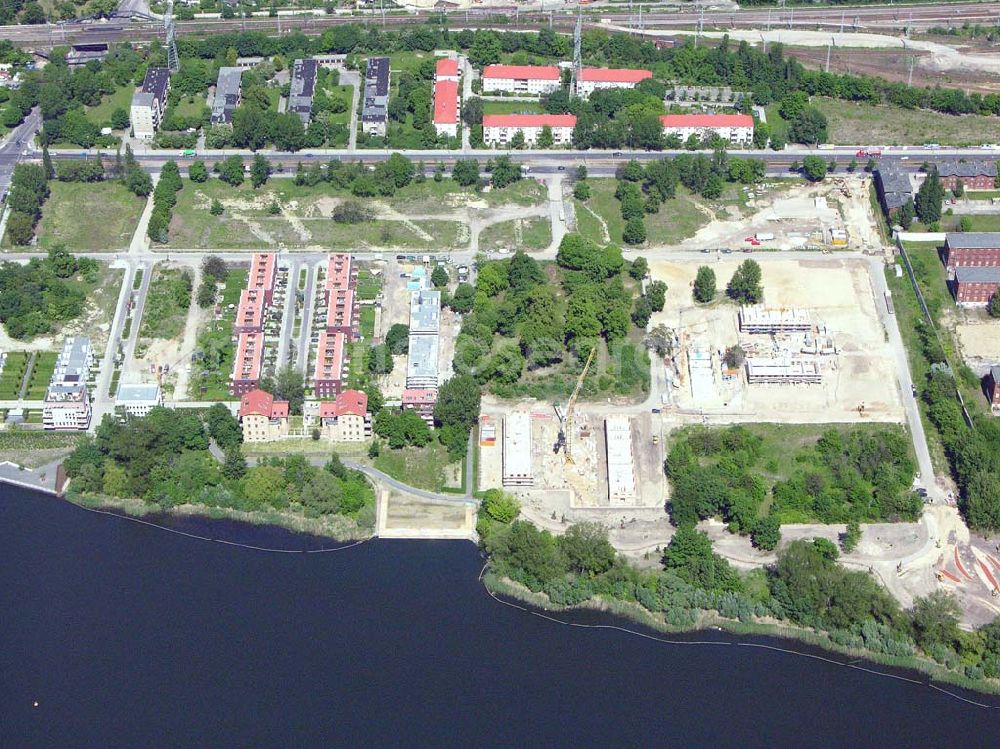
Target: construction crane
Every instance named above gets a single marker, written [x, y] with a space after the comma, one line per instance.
[566, 433]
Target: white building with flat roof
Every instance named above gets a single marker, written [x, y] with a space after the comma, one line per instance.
[138, 400]
[517, 450]
[621, 467]
[67, 402]
[757, 318]
[783, 371]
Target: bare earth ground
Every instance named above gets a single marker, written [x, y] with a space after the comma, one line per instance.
[404, 516]
[799, 218]
[980, 341]
[838, 294]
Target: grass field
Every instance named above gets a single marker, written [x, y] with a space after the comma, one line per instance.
[982, 194]
[210, 375]
[885, 125]
[41, 374]
[13, 375]
[512, 107]
[366, 325]
[677, 220]
[368, 285]
[120, 99]
[529, 234]
[90, 216]
[166, 309]
[422, 467]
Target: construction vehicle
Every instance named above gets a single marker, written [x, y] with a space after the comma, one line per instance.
[566, 426]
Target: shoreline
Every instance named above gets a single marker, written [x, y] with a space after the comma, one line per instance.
[341, 529]
[539, 604]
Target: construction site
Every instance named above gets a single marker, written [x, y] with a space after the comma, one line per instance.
[815, 350]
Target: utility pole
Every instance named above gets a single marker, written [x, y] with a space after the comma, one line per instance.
[173, 61]
[577, 53]
[828, 48]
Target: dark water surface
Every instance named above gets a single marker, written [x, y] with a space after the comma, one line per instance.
[130, 636]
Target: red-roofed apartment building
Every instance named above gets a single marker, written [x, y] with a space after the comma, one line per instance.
[331, 364]
[735, 129]
[346, 419]
[247, 362]
[446, 108]
[263, 274]
[262, 417]
[422, 401]
[250, 312]
[592, 79]
[342, 314]
[499, 129]
[521, 79]
[446, 69]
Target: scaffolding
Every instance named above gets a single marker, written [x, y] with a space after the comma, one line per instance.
[784, 371]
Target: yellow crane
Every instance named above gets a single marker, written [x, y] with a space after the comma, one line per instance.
[568, 424]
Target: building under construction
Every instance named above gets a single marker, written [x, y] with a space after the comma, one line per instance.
[783, 371]
[517, 450]
[758, 319]
[621, 466]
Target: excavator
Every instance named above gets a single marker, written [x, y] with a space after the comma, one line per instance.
[563, 440]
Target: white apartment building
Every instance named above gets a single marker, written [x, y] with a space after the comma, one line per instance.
[735, 129]
[532, 80]
[499, 129]
[138, 400]
[592, 79]
[149, 103]
[67, 402]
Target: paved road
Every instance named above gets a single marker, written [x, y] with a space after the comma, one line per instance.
[15, 146]
[406, 488]
[905, 381]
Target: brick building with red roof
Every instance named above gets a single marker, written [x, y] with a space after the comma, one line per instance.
[262, 417]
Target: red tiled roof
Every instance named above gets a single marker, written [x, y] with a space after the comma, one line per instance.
[338, 271]
[413, 396]
[529, 120]
[354, 402]
[447, 66]
[614, 75]
[445, 103]
[261, 403]
[706, 120]
[262, 271]
[531, 72]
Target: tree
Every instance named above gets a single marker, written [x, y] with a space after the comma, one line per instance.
[231, 170]
[20, 228]
[378, 360]
[504, 172]
[935, 619]
[545, 139]
[657, 294]
[766, 533]
[814, 168]
[215, 267]
[223, 427]
[965, 223]
[260, 170]
[466, 172]
[642, 310]
[634, 232]
[251, 125]
[517, 142]
[198, 172]
[289, 386]
[744, 287]
[472, 111]
[398, 339]
[235, 465]
[529, 555]
[689, 555]
[587, 549]
[735, 356]
[463, 298]
[581, 172]
[263, 485]
[929, 198]
[439, 276]
[500, 506]
[400, 169]
[808, 127]
[581, 191]
[639, 268]
[851, 537]
[993, 307]
[215, 208]
[138, 182]
[119, 119]
[704, 285]
[50, 171]
[907, 212]
[959, 189]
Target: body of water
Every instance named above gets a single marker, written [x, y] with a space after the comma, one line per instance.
[127, 635]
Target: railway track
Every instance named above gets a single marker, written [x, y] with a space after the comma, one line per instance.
[871, 18]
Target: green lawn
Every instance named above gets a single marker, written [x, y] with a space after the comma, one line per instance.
[604, 203]
[982, 194]
[41, 374]
[12, 375]
[236, 281]
[120, 99]
[512, 107]
[530, 234]
[99, 216]
[989, 222]
[677, 220]
[210, 372]
[190, 106]
[366, 326]
[166, 308]
[422, 467]
[897, 126]
[369, 285]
